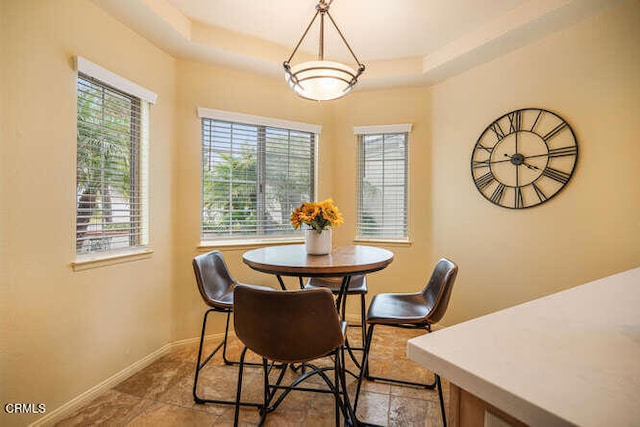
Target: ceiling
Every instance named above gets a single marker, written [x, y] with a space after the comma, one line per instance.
[401, 42]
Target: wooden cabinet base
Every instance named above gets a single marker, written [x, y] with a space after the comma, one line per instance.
[467, 410]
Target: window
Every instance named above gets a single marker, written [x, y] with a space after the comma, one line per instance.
[111, 174]
[255, 171]
[382, 182]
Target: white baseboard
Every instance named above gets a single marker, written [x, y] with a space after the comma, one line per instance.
[82, 399]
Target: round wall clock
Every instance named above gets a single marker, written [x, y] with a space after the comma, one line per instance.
[524, 158]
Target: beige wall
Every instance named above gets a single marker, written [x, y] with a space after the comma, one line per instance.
[68, 331]
[65, 332]
[590, 75]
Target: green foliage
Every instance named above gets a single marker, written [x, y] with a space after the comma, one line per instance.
[104, 150]
[230, 194]
[234, 201]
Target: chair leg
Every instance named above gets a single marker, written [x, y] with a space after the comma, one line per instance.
[267, 396]
[224, 346]
[200, 364]
[364, 367]
[199, 360]
[239, 388]
[336, 385]
[363, 318]
[442, 411]
[369, 377]
[349, 411]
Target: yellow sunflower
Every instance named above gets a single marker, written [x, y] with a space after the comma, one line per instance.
[309, 211]
[318, 215]
[295, 219]
[330, 212]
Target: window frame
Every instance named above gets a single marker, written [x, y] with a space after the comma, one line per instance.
[361, 133]
[141, 99]
[260, 122]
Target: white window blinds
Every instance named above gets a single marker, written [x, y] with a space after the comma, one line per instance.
[111, 202]
[382, 185]
[253, 176]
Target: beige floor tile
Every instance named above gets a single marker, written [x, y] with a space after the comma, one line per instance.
[111, 407]
[373, 408]
[156, 379]
[405, 411]
[169, 415]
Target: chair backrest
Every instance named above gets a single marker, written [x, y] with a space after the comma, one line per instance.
[213, 277]
[287, 326]
[438, 291]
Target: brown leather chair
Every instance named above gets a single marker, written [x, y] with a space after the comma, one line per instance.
[415, 310]
[291, 327]
[216, 286]
[357, 286]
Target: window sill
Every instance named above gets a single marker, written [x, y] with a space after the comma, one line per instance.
[95, 261]
[246, 243]
[385, 242]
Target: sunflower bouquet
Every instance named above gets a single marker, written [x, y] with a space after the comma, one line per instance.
[317, 215]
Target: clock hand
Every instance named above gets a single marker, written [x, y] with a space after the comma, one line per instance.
[488, 161]
[538, 155]
[517, 160]
[501, 161]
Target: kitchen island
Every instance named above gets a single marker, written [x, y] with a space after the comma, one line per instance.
[571, 358]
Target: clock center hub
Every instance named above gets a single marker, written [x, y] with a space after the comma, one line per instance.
[517, 159]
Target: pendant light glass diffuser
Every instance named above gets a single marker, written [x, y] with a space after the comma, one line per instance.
[322, 80]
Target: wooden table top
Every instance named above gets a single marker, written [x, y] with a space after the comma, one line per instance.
[292, 260]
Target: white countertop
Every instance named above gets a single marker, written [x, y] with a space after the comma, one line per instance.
[568, 358]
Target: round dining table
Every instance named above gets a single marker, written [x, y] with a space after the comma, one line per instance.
[293, 260]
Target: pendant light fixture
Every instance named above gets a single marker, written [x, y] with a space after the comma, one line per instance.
[322, 80]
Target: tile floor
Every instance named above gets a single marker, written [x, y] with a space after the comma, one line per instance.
[161, 394]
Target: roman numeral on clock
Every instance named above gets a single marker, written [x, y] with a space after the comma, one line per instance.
[497, 129]
[481, 163]
[518, 199]
[571, 150]
[484, 181]
[496, 197]
[487, 149]
[556, 175]
[553, 132]
[515, 119]
[536, 121]
[541, 196]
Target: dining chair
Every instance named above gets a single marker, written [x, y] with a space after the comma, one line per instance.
[217, 287]
[357, 286]
[418, 310]
[287, 327]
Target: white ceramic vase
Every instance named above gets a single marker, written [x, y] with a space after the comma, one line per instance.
[317, 243]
